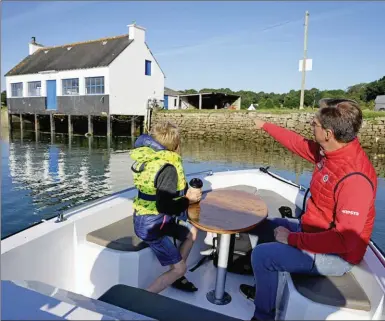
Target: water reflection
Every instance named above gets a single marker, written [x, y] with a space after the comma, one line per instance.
[255, 153]
[43, 175]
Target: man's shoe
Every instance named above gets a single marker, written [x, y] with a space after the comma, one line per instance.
[247, 291]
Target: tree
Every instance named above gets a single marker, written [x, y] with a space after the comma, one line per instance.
[363, 93]
[3, 98]
[269, 104]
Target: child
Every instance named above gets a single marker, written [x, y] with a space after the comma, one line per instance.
[163, 195]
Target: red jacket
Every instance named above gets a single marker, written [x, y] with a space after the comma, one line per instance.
[352, 200]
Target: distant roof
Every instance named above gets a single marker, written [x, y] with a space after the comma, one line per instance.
[170, 92]
[380, 99]
[82, 55]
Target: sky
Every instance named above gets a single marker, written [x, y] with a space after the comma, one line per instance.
[250, 45]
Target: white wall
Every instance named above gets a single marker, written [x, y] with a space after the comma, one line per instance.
[173, 102]
[58, 76]
[130, 88]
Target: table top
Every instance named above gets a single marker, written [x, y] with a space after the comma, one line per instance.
[226, 211]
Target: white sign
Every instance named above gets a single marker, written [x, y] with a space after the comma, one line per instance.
[308, 65]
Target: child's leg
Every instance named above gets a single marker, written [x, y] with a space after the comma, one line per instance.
[184, 232]
[168, 255]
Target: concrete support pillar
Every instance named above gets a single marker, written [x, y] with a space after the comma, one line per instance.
[37, 128]
[109, 131]
[90, 125]
[37, 125]
[133, 126]
[178, 102]
[21, 122]
[52, 123]
[70, 127]
[108, 143]
[9, 121]
[90, 139]
[200, 101]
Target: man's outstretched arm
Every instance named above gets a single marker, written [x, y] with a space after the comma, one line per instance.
[308, 149]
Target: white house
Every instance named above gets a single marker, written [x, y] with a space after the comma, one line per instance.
[171, 99]
[113, 76]
[380, 103]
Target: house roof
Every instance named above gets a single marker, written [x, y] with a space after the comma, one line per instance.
[380, 99]
[170, 92]
[82, 55]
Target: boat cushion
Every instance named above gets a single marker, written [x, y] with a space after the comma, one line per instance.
[118, 236]
[158, 306]
[340, 291]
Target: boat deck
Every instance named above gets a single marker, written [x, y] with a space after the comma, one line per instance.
[204, 279]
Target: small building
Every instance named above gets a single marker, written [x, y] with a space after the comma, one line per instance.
[109, 76]
[171, 99]
[214, 100]
[380, 103]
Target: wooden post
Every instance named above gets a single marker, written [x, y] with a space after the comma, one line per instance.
[200, 101]
[90, 125]
[132, 126]
[70, 128]
[109, 125]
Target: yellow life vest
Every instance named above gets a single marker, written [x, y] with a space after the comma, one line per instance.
[146, 167]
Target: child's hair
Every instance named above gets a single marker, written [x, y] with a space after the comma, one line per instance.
[166, 134]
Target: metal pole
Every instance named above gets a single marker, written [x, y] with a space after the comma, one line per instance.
[219, 296]
[304, 62]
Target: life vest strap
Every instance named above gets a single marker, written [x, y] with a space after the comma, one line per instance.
[152, 198]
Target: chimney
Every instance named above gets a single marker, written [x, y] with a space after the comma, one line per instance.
[136, 32]
[34, 46]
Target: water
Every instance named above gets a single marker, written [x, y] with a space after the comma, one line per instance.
[41, 178]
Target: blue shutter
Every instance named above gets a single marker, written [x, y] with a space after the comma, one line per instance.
[165, 102]
[148, 68]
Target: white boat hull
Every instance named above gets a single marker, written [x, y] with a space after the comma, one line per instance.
[59, 255]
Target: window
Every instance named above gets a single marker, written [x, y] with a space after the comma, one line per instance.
[175, 102]
[94, 85]
[148, 68]
[17, 89]
[34, 88]
[70, 86]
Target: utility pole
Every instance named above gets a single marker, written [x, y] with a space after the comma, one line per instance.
[304, 62]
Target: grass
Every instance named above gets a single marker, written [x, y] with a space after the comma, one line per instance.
[367, 114]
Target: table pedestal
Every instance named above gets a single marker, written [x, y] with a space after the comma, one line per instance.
[219, 296]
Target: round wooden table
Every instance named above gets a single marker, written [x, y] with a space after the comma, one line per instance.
[226, 212]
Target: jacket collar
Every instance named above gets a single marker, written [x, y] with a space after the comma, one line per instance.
[349, 150]
[147, 141]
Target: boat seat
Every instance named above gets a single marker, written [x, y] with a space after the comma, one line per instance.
[118, 236]
[158, 306]
[340, 291]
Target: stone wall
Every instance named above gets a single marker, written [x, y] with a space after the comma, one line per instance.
[240, 126]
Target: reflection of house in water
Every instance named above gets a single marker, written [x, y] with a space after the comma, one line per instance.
[57, 177]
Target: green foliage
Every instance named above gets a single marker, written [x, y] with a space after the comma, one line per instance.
[364, 94]
[3, 98]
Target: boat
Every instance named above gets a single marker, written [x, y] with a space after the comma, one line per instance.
[87, 263]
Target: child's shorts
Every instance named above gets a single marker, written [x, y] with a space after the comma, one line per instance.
[155, 231]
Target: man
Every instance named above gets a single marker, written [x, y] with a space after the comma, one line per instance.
[162, 197]
[336, 227]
